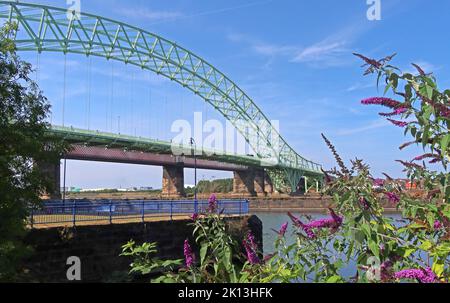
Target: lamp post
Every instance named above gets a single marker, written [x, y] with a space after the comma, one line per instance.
[194, 146]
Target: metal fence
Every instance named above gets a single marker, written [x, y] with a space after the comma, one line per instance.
[110, 211]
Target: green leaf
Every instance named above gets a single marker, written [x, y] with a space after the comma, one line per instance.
[334, 279]
[429, 90]
[431, 219]
[438, 268]
[374, 248]
[445, 141]
[426, 245]
[203, 251]
[406, 252]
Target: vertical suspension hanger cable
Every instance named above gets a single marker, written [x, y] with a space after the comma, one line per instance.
[64, 91]
[149, 106]
[166, 116]
[112, 95]
[89, 92]
[133, 126]
[86, 79]
[37, 68]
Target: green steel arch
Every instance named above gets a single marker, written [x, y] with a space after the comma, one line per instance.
[51, 29]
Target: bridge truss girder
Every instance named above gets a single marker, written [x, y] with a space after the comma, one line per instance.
[50, 29]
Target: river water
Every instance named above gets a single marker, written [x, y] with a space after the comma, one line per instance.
[273, 221]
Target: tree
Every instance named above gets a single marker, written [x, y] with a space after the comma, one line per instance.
[23, 143]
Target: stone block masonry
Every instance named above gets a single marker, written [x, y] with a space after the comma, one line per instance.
[53, 172]
[99, 247]
[173, 182]
[244, 183]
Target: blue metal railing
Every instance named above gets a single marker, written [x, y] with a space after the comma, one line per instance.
[75, 211]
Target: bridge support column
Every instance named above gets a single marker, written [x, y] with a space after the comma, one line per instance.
[52, 171]
[173, 182]
[244, 183]
[259, 185]
[268, 185]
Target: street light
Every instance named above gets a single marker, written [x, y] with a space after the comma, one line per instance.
[193, 144]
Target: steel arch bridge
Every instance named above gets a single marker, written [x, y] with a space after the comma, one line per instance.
[50, 29]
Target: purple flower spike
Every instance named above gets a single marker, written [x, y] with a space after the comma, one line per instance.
[423, 275]
[387, 102]
[398, 123]
[194, 217]
[378, 182]
[283, 229]
[364, 203]
[398, 111]
[393, 197]
[251, 249]
[437, 225]
[308, 231]
[212, 203]
[337, 219]
[333, 223]
[188, 254]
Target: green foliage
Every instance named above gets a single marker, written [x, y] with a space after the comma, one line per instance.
[219, 259]
[23, 110]
[216, 186]
[381, 248]
[144, 261]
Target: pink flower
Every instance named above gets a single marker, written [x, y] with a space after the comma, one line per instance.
[369, 61]
[386, 271]
[437, 225]
[194, 217]
[425, 156]
[251, 249]
[387, 102]
[188, 254]
[212, 203]
[423, 275]
[397, 112]
[398, 123]
[308, 231]
[410, 164]
[393, 197]
[332, 223]
[283, 229]
[364, 203]
[378, 182]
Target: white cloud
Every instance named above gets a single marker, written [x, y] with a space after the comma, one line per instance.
[148, 14]
[332, 50]
[372, 125]
[261, 47]
[359, 86]
[322, 51]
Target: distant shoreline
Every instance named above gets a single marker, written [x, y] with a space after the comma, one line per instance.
[306, 210]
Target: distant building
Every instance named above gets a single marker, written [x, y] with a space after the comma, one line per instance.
[143, 188]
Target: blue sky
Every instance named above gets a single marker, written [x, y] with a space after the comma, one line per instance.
[293, 58]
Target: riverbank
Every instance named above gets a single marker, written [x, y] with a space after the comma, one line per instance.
[312, 203]
[300, 204]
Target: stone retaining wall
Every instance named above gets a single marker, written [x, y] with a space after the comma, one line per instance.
[99, 247]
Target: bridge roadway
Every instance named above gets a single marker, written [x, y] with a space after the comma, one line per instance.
[249, 175]
[114, 155]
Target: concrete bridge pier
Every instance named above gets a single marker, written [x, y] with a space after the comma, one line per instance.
[52, 171]
[259, 184]
[173, 182]
[268, 185]
[252, 182]
[244, 183]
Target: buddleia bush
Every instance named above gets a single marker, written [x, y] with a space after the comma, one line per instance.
[356, 236]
